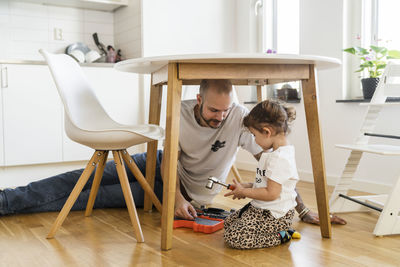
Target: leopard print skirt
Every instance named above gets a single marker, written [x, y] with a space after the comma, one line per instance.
[252, 227]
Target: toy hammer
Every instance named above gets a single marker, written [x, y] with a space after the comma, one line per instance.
[212, 180]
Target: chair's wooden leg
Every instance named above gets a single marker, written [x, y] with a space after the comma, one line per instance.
[75, 192]
[236, 173]
[140, 178]
[316, 150]
[130, 203]
[96, 183]
[170, 156]
[154, 118]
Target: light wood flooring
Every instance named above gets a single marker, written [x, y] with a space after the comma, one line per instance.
[107, 239]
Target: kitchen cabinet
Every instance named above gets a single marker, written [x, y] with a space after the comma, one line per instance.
[2, 84]
[32, 117]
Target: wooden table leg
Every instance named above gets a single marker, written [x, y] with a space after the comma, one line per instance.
[170, 156]
[260, 95]
[154, 118]
[316, 149]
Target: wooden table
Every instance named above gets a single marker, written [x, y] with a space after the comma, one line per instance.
[242, 69]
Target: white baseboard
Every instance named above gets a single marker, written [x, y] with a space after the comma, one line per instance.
[22, 175]
[359, 184]
[13, 176]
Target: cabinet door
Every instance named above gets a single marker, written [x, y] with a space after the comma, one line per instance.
[3, 83]
[32, 116]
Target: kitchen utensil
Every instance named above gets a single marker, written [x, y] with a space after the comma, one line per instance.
[78, 55]
[92, 56]
[77, 46]
[100, 46]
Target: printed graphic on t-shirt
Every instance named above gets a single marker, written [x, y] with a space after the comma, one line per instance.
[260, 173]
[217, 145]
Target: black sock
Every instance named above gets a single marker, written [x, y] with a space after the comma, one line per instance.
[285, 236]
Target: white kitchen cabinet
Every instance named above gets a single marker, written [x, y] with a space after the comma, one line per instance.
[2, 84]
[32, 131]
[31, 112]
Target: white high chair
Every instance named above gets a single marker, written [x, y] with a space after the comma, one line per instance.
[388, 204]
[87, 123]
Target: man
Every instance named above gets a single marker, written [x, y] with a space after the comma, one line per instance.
[210, 133]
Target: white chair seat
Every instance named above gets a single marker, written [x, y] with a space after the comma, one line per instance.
[114, 137]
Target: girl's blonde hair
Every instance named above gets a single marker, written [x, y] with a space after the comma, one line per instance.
[270, 113]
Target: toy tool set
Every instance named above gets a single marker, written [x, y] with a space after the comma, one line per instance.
[208, 220]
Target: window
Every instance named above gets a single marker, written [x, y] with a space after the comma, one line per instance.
[367, 22]
[281, 34]
[387, 20]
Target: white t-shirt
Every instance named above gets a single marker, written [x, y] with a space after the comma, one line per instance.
[279, 166]
[206, 151]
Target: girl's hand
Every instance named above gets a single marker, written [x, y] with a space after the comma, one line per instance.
[237, 190]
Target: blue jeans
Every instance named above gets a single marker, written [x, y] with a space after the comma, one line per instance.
[51, 193]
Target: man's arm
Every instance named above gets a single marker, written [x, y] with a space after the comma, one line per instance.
[183, 209]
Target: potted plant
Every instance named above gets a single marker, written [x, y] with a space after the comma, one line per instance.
[374, 61]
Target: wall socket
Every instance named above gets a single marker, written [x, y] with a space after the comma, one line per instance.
[58, 34]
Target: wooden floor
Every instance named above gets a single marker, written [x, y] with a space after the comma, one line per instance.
[107, 239]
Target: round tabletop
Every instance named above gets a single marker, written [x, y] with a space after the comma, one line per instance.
[147, 65]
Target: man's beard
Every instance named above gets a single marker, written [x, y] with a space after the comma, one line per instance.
[210, 120]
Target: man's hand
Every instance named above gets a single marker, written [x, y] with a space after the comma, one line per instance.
[183, 209]
[312, 218]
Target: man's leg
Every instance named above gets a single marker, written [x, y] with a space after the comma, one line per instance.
[50, 194]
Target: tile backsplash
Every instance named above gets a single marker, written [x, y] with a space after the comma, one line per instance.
[27, 27]
[128, 29]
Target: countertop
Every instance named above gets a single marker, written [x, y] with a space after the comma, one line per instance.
[42, 62]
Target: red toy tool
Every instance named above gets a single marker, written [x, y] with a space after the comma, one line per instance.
[208, 220]
[201, 224]
[212, 180]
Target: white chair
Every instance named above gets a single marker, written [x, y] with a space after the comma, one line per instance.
[87, 123]
[387, 204]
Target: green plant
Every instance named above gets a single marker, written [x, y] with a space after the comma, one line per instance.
[373, 59]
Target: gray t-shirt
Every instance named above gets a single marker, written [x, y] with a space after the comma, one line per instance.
[205, 151]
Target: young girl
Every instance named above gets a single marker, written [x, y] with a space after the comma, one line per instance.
[264, 221]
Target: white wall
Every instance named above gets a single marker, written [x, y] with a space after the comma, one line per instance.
[184, 27]
[128, 29]
[27, 27]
